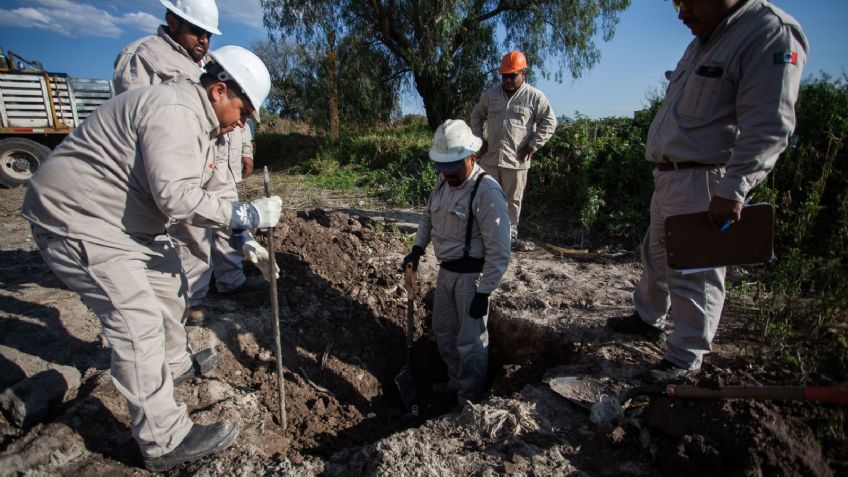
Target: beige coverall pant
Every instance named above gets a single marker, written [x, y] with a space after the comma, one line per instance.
[513, 182]
[140, 300]
[463, 341]
[695, 301]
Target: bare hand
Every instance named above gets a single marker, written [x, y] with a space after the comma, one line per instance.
[525, 153]
[721, 210]
[246, 166]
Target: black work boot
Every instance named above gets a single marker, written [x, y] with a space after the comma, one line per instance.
[633, 325]
[196, 315]
[252, 285]
[665, 372]
[201, 440]
[202, 363]
[442, 389]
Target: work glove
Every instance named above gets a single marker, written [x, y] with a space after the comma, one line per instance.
[259, 214]
[269, 210]
[413, 258]
[258, 255]
[479, 305]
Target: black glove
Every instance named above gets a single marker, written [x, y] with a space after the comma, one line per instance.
[413, 258]
[479, 305]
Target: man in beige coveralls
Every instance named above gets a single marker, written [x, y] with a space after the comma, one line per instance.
[99, 206]
[519, 121]
[177, 52]
[727, 115]
[466, 218]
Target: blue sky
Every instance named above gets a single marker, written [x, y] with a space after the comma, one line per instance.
[82, 38]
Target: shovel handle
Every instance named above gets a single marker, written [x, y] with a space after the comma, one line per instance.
[835, 394]
[409, 281]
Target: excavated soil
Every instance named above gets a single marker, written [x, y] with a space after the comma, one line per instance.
[343, 312]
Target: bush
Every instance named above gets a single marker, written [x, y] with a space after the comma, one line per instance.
[389, 162]
[804, 298]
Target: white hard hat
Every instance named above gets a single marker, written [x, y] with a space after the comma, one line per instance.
[200, 13]
[453, 142]
[246, 69]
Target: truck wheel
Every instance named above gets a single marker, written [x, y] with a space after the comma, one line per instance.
[19, 159]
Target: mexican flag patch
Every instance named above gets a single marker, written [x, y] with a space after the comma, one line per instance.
[786, 58]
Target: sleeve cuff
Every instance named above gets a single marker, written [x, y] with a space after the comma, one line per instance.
[733, 188]
[244, 216]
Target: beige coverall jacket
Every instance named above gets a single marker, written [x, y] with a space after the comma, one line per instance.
[99, 205]
[463, 341]
[152, 60]
[729, 106]
[526, 118]
[159, 59]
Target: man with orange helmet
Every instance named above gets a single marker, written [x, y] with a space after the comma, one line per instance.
[520, 121]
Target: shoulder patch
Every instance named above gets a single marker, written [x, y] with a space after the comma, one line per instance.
[786, 58]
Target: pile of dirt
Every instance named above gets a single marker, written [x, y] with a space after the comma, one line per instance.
[343, 312]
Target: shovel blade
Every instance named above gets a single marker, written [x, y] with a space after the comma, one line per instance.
[406, 387]
[582, 391]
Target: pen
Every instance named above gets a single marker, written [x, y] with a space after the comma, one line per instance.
[726, 225]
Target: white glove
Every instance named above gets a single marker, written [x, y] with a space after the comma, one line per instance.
[257, 255]
[269, 210]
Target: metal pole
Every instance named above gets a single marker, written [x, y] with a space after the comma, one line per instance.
[275, 306]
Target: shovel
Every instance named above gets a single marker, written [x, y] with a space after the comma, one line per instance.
[584, 391]
[403, 380]
[833, 394]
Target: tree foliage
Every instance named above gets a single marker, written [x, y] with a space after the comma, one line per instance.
[300, 87]
[448, 48]
[321, 73]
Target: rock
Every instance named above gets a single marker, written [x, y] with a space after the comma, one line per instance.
[30, 400]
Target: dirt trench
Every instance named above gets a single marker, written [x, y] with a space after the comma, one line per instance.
[343, 311]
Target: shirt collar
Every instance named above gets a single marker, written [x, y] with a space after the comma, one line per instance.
[209, 110]
[734, 17]
[163, 33]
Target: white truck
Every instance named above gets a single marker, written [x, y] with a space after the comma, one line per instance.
[37, 110]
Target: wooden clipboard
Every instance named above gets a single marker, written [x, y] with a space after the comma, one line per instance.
[692, 242]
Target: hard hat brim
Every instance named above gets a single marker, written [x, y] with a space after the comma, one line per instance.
[194, 21]
[447, 166]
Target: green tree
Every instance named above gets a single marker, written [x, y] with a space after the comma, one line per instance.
[300, 86]
[448, 48]
[316, 24]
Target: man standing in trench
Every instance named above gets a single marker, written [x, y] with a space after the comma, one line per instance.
[99, 207]
[176, 52]
[727, 115]
[466, 218]
[520, 121]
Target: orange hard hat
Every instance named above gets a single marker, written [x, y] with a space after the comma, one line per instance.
[512, 62]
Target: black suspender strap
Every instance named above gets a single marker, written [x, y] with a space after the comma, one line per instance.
[467, 247]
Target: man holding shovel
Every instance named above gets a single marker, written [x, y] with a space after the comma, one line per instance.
[466, 218]
[727, 115]
[99, 207]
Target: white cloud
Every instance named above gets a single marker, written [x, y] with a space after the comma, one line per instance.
[75, 19]
[141, 21]
[246, 12]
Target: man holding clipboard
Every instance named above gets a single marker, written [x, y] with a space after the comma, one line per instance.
[726, 117]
